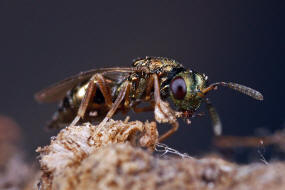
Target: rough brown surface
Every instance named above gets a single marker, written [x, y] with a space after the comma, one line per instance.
[122, 166]
[10, 136]
[74, 144]
[84, 157]
[15, 171]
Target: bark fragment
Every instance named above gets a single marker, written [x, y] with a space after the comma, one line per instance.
[83, 157]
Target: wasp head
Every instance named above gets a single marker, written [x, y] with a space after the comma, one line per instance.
[188, 90]
[185, 90]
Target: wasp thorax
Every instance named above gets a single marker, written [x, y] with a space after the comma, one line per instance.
[184, 89]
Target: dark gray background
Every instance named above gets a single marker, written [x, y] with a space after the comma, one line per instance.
[42, 42]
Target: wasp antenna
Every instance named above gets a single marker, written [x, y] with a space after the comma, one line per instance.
[238, 87]
[243, 89]
[215, 119]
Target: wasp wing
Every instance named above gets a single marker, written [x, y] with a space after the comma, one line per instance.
[58, 90]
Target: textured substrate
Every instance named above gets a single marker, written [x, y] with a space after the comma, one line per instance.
[111, 157]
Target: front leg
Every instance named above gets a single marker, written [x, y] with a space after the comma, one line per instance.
[162, 110]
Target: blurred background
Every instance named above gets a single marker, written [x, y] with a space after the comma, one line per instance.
[42, 42]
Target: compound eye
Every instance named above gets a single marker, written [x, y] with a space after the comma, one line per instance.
[178, 88]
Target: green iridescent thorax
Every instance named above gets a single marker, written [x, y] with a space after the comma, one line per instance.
[195, 82]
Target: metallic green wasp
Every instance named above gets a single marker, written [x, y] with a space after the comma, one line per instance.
[97, 95]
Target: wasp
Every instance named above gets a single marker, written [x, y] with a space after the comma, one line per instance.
[96, 95]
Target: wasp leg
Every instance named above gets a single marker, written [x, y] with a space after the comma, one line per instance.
[146, 99]
[119, 99]
[116, 104]
[149, 87]
[162, 110]
[143, 109]
[104, 87]
[215, 119]
[90, 92]
[126, 106]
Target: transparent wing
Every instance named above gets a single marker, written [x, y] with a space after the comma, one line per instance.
[58, 90]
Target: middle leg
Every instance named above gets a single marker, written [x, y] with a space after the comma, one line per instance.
[116, 104]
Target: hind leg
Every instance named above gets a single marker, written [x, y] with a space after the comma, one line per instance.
[95, 80]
